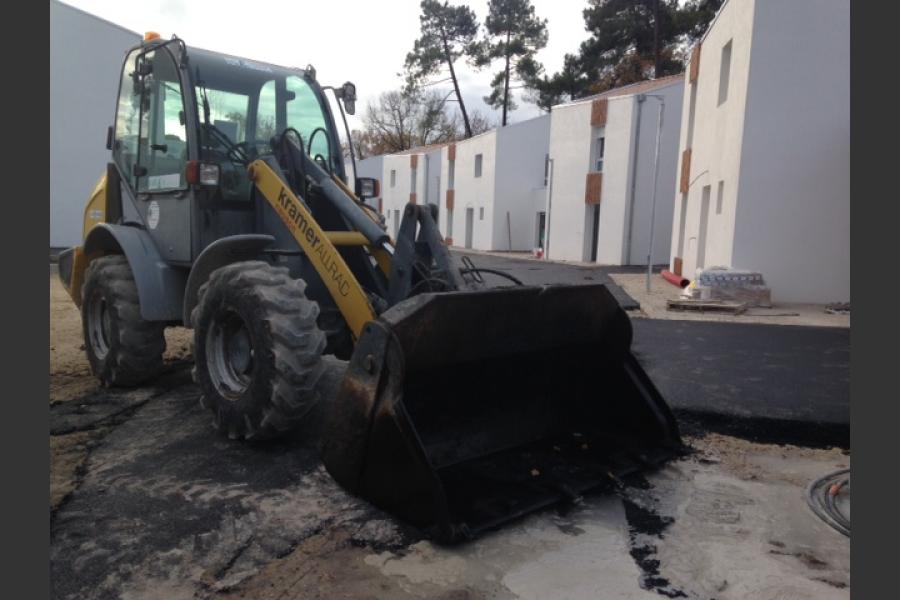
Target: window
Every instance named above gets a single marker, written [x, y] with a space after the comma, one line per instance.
[719, 197]
[451, 174]
[393, 178]
[477, 165]
[724, 72]
[481, 213]
[600, 147]
[162, 151]
[150, 140]
[128, 118]
[546, 169]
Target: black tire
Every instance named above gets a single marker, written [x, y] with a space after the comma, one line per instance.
[122, 348]
[337, 333]
[257, 350]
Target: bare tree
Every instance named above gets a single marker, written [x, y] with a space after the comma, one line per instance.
[400, 120]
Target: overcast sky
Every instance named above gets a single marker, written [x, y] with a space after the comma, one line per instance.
[364, 41]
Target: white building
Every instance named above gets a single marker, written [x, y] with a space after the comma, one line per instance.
[86, 57]
[494, 187]
[410, 176]
[765, 148]
[602, 151]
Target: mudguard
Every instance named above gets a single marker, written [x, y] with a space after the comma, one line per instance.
[160, 286]
[222, 252]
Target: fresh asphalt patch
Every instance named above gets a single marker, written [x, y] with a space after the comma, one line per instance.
[767, 383]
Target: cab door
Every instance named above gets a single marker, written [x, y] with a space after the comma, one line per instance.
[151, 149]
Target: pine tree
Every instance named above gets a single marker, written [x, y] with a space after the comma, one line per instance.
[513, 35]
[447, 33]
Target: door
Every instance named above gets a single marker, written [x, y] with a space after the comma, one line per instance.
[470, 223]
[541, 226]
[704, 221]
[595, 231]
[396, 223]
[150, 148]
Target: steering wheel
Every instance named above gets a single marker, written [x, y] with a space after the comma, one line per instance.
[233, 151]
[251, 148]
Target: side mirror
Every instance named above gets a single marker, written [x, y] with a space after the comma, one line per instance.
[348, 95]
[367, 187]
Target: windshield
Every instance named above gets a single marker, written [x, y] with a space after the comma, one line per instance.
[249, 102]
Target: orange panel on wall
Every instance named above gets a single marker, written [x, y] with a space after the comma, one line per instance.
[450, 199]
[598, 112]
[451, 152]
[695, 64]
[592, 186]
[413, 161]
[685, 171]
[412, 198]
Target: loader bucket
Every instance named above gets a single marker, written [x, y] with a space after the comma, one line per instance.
[460, 411]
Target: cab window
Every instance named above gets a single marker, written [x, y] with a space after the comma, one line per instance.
[163, 148]
[150, 140]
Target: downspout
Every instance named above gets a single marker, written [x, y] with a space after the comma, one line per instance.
[426, 177]
[634, 164]
[549, 207]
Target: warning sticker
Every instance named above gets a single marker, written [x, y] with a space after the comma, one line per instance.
[153, 214]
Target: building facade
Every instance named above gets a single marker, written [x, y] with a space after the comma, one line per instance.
[494, 187]
[764, 162]
[602, 153]
[411, 176]
[86, 56]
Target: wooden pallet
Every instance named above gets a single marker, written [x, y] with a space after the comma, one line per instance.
[732, 308]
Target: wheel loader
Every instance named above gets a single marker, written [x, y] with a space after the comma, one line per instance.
[225, 208]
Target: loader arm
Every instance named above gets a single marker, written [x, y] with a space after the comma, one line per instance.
[318, 245]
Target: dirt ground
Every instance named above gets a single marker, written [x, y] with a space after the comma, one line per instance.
[71, 379]
[653, 305]
[148, 502]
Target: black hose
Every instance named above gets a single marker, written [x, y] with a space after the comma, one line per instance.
[492, 271]
[821, 497]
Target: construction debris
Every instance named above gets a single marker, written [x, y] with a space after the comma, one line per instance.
[731, 285]
[734, 308]
[838, 308]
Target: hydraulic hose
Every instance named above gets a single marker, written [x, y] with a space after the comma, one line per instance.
[822, 496]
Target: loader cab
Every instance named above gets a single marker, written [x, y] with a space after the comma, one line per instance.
[188, 121]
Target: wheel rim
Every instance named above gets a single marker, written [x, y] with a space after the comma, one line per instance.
[99, 326]
[229, 355]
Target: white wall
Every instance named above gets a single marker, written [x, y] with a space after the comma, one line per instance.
[716, 138]
[397, 197]
[86, 56]
[474, 192]
[570, 151]
[780, 146]
[520, 191]
[793, 219]
[615, 190]
[666, 179]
